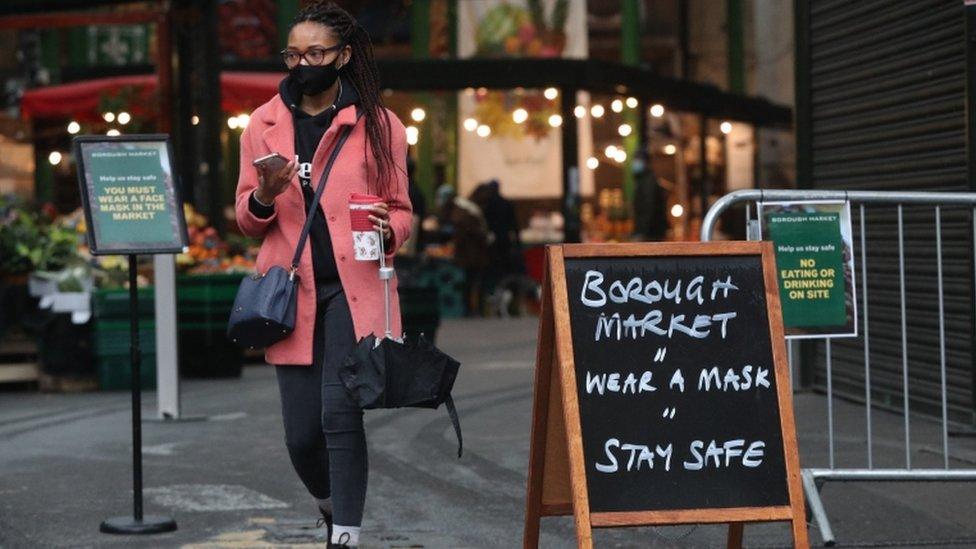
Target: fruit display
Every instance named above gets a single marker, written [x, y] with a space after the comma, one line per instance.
[208, 253]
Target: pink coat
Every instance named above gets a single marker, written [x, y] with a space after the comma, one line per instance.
[271, 129]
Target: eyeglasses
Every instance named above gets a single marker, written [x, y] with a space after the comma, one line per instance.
[313, 56]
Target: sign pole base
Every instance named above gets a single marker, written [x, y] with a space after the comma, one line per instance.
[150, 524]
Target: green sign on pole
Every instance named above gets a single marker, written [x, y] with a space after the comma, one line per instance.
[814, 265]
[128, 191]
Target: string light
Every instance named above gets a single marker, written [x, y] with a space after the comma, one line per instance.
[624, 130]
[520, 115]
[617, 105]
[413, 134]
[657, 111]
[592, 163]
[74, 127]
[670, 149]
[233, 123]
[109, 117]
[54, 158]
[551, 93]
[470, 124]
[579, 111]
[113, 133]
[418, 114]
[483, 131]
[124, 118]
[620, 155]
[726, 127]
[194, 120]
[610, 151]
[677, 210]
[596, 111]
[631, 102]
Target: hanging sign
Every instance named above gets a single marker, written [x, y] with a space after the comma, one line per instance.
[662, 394]
[814, 265]
[128, 192]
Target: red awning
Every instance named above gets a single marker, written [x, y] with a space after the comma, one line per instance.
[239, 92]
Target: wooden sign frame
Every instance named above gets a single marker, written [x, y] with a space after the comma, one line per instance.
[557, 475]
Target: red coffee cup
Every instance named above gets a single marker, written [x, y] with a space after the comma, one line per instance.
[366, 242]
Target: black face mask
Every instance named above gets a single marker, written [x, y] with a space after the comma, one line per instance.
[313, 80]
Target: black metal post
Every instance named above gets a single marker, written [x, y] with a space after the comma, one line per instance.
[571, 179]
[704, 186]
[137, 523]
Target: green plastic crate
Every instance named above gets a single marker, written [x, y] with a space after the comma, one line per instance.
[114, 372]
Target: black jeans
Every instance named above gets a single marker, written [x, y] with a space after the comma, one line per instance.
[323, 427]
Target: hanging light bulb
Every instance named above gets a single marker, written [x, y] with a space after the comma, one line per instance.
[233, 123]
[124, 118]
[631, 102]
[596, 111]
[113, 132]
[555, 121]
[617, 105]
[551, 93]
[413, 134]
[483, 131]
[74, 127]
[726, 127]
[242, 120]
[657, 111]
[579, 111]
[54, 158]
[418, 114]
[470, 124]
[109, 117]
[624, 130]
[670, 149]
[677, 210]
[592, 163]
[610, 151]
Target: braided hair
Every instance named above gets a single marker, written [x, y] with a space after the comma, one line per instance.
[361, 72]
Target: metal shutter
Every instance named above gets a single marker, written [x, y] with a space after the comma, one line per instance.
[886, 111]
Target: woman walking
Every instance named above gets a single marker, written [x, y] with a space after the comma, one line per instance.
[332, 85]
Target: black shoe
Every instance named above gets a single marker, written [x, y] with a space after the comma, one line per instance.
[327, 521]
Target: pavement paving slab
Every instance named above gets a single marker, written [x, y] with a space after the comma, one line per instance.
[65, 465]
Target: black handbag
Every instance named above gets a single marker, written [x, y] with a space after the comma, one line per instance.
[266, 304]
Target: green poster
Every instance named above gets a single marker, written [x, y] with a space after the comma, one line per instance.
[131, 204]
[814, 264]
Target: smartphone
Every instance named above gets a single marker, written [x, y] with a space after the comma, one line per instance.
[271, 163]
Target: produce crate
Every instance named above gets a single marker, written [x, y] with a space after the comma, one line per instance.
[111, 346]
[203, 307]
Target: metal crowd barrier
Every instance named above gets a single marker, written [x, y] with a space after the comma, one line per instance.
[814, 478]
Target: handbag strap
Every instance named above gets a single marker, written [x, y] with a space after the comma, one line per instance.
[313, 207]
[452, 412]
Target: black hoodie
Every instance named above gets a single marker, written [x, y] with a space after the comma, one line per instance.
[308, 134]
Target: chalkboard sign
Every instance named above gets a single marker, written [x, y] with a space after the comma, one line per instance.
[670, 402]
[128, 191]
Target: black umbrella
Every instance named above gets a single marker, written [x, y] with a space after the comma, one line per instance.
[390, 373]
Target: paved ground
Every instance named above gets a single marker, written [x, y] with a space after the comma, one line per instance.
[65, 466]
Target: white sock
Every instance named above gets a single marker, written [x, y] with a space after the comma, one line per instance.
[325, 504]
[346, 534]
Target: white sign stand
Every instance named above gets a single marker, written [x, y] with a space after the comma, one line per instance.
[167, 365]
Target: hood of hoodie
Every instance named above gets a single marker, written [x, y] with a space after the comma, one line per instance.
[288, 89]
